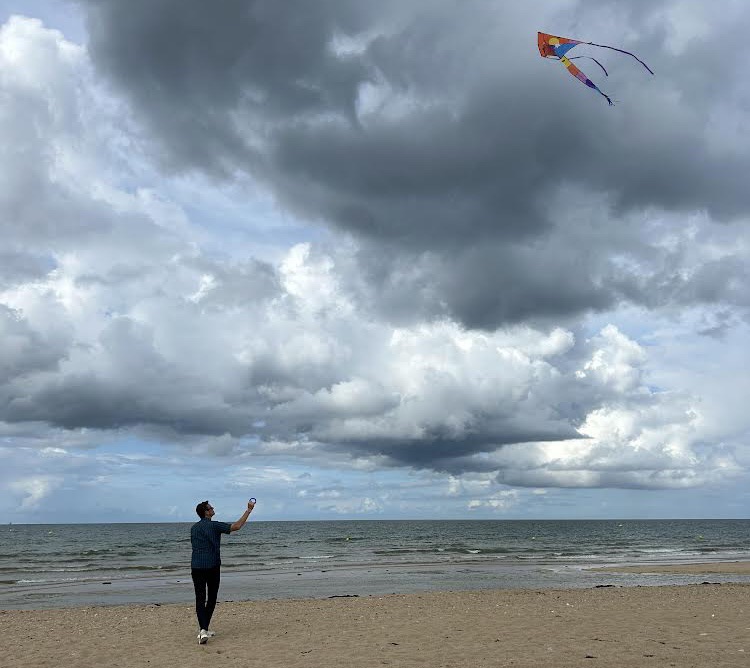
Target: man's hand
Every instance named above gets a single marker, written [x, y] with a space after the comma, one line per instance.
[250, 504]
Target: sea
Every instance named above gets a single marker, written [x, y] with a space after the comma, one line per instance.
[62, 565]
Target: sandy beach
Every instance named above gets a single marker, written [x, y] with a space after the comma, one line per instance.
[691, 625]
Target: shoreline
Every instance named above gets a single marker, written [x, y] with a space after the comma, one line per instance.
[693, 625]
[363, 581]
[698, 568]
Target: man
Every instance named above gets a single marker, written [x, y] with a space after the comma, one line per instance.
[205, 565]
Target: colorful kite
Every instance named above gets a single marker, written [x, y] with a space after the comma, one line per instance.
[551, 46]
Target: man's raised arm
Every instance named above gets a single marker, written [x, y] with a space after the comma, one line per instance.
[236, 526]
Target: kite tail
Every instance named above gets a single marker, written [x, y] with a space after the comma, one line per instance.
[591, 84]
[604, 46]
[583, 78]
[606, 74]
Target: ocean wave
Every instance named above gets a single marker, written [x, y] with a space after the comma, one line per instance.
[344, 539]
[149, 567]
[242, 555]
[319, 556]
[48, 581]
[438, 550]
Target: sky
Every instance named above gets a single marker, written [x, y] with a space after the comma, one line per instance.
[373, 260]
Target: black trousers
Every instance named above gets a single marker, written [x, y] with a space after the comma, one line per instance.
[206, 582]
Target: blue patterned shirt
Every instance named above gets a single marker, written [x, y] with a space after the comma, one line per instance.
[205, 537]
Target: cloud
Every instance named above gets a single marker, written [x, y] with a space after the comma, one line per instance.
[320, 375]
[461, 311]
[498, 502]
[34, 490]
[403, 127]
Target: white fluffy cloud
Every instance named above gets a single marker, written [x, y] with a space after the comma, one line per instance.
[33, 490]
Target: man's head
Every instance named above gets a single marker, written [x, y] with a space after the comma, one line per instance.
[204, 509]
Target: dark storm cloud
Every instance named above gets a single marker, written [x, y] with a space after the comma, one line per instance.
[25, 351]
[466, 135]
[133, 383]
[476, 285]
[191, 67]
[441, 450]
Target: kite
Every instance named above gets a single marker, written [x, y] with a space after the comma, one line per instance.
[551, 46]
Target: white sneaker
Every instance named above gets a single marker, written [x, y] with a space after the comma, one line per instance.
[211, 634]
[203, 637]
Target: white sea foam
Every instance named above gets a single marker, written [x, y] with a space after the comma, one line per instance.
[46, 581]
[319, 556]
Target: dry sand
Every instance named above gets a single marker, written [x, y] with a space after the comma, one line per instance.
[691, 625]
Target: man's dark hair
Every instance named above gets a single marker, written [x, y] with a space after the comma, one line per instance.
[201, 508]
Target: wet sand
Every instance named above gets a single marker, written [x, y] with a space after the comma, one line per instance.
[726, 567]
